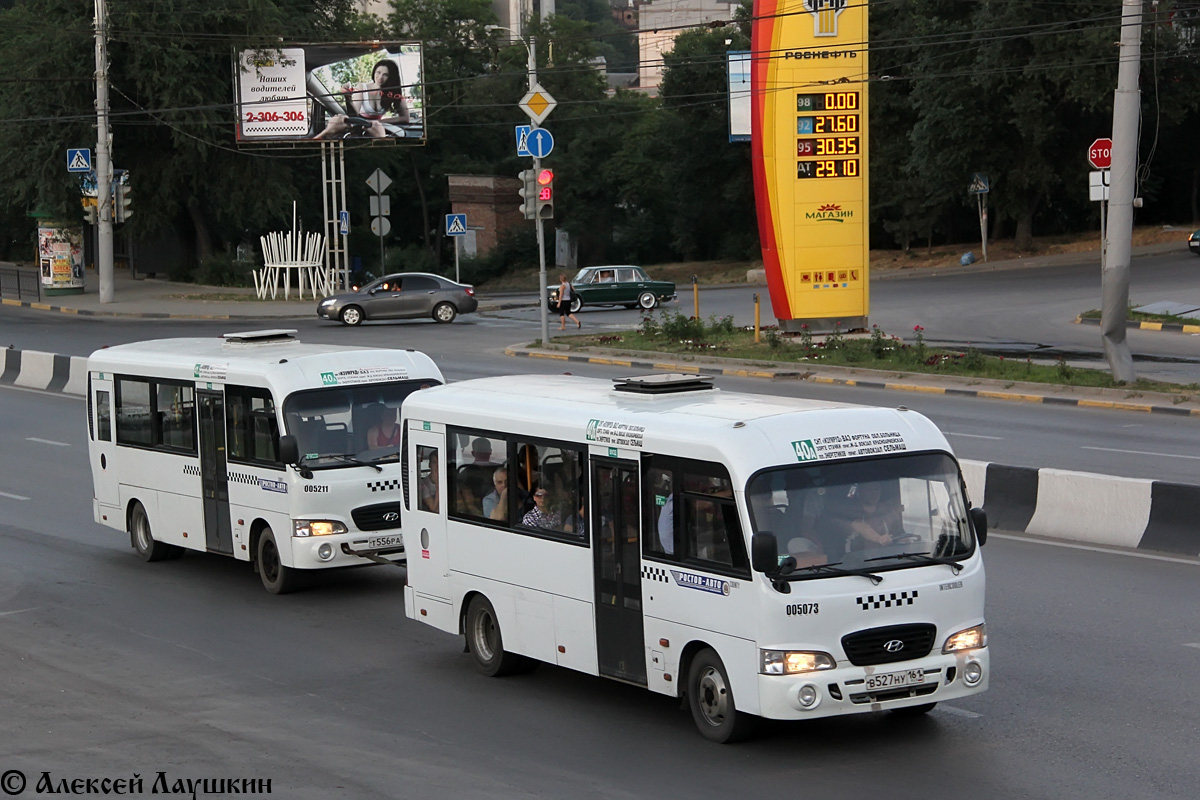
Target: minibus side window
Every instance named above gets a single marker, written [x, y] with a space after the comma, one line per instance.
[103, 417]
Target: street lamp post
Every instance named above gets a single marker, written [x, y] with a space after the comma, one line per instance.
[531, 68]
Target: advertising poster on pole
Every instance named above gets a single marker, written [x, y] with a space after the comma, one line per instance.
[313, 93]
[60, 258]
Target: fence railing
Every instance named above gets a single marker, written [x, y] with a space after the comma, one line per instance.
[20, 284]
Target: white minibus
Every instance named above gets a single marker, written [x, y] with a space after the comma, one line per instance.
[254, 445]
[761, 556]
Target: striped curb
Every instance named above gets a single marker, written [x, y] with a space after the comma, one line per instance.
[1172, 327]
[1086, 507]
[87, 312]
[1054, 503]
[990, 394]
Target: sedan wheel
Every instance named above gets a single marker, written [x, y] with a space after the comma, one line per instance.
[647, 300]
[352, 315]
[444, 312]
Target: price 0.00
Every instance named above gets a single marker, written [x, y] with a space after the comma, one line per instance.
[827, 123]
[828, 168]
[827, 101]
[274, 116]
[829, 146]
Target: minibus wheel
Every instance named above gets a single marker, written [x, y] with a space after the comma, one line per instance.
[485, 641]
[276, 578]
[143, 539]
[711, 699]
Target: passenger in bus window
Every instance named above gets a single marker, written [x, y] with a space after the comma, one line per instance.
[666, 525]
[467, 501]
[495, 502]
[541, 516]
[429, 483]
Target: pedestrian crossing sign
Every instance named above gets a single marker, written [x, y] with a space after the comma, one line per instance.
[79, 159]
[456, 224]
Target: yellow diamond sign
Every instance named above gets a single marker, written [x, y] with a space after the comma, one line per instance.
[537, 104]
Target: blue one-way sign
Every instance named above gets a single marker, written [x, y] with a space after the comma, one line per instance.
[79, 159]
[540, 143]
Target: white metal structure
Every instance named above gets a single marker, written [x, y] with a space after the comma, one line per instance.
[698, 543]
[187, 453]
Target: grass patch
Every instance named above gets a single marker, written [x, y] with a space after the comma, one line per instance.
[1138, 316]
[672, 332]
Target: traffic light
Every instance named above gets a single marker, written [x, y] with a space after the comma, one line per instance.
[124, 201]
[89, 210]
[545, 194]
[528, 192]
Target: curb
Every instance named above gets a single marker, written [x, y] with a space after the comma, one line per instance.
[86, 312]
[1048, 503]
[1172, 327]
[1029, 395]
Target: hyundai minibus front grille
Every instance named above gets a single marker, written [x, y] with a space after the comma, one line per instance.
[378, 517]
[888, 644]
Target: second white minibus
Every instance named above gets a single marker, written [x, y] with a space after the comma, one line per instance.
[760, 556]
[254, 445]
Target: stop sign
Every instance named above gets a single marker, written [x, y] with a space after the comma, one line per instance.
[1100, 153]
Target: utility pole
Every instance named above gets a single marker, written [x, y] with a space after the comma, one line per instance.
[1114, 272]
[104, 205]
[543, 297]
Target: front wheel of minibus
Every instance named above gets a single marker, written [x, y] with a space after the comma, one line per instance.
[276, 578]
[486, 643]
[711, 699]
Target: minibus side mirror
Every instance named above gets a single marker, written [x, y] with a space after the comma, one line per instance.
[764, 553]
[979, 521]
[289, 449]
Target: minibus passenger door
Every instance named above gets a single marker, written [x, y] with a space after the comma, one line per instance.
[616, 543]
[103, 447]
[424, 528]
[214, 475]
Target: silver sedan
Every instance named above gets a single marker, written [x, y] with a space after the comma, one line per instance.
[404, 295]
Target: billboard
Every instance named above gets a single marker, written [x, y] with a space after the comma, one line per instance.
[318, 92]
[810, 146]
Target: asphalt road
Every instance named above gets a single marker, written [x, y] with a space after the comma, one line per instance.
[114, 667]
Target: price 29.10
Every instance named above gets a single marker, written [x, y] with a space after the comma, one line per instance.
[275, 116]
[828, 168]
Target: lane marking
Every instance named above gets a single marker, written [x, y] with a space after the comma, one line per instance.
[959, 712]
[976, 436]
[13, 496]
[1138, 452]
[1192, 644]
[1096, 549]
[18, 611]
[46, 441]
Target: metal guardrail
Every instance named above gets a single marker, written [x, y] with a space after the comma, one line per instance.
[21, 284]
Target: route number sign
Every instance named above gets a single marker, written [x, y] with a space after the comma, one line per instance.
[1100, 154]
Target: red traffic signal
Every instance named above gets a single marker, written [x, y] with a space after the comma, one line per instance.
[545, 195]
[545, 177]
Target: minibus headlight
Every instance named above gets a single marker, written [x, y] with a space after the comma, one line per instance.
[791, 662]
[971, 638]
[316, 527]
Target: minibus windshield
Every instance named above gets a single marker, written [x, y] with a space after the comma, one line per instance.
[348, 426]
[886, 513]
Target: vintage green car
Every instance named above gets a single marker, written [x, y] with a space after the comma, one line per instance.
[620, 285]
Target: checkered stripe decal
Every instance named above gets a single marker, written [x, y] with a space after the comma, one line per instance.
[887, 600]
[655, 574]
[389, 485]
[191, 469]
[244, 477]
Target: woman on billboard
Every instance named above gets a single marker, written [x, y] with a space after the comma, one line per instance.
[377, 109]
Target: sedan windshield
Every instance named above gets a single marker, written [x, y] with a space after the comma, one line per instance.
[348, 426]
[888, 513]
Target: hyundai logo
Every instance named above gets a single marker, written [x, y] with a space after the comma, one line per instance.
[392, 516]
[894, 646]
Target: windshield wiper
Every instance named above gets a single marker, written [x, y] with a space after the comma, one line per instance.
[923, 557]
[349, 459]
[832, 569]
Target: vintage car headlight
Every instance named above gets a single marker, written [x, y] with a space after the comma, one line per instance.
[316, 527]
[971, 638]
[790, 662]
